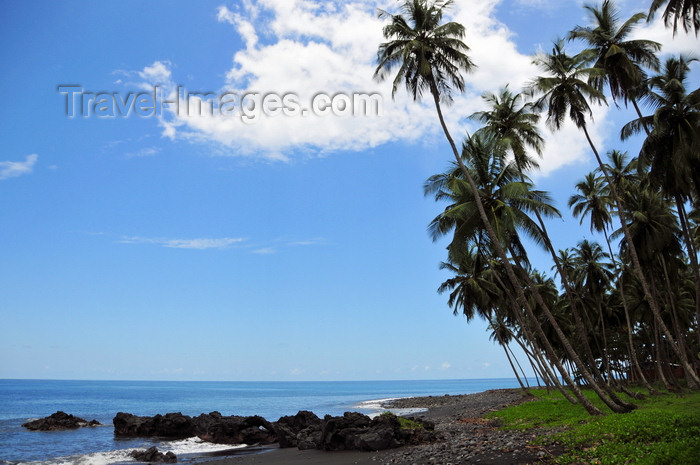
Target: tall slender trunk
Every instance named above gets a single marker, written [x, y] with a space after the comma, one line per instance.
[590, 408]
[633, 352]
[692, 253]
[603, 391]
[693, 379]
[659, 359]
[672, 304]
[510, 361]
[537, 344]
[693, 256]
[606, 349]
[580, 330]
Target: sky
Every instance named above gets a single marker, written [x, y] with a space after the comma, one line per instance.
[139, 241]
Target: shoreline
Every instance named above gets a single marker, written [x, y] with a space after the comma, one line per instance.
[465, 437]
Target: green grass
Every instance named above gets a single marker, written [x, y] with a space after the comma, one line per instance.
[405, 423]
[664, 429]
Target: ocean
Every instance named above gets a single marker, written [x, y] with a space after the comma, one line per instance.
[23, 400]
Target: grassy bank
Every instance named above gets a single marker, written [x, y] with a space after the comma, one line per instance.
[665, 429]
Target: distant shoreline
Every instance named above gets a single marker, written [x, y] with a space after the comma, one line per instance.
[458, 420]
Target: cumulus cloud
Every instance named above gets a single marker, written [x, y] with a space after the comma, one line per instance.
[12, 169]
[304, 47]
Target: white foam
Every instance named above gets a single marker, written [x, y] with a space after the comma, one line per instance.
[96, 458]
[195, 446]
[376, 405]
[181, 447]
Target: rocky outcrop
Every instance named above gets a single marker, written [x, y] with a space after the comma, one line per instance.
[152, 455]
[302, 430]
[170, 425]
[352, 431]
[212, 427]
[59, 421]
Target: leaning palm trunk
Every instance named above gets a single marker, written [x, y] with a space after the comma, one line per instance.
[590, 408]
[692, 377]
[503, 344]
[672, 304]
[580, 330]
[692, 254]
[612, 401]
[540, 344]
[628, 321]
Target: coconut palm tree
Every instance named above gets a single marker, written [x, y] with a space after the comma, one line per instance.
[431, 55]
[513, 121]
[594, 274]
[592, 202]
[611, 50]
[671, 152]
[508, 200]
[687, 12]
[564, 92]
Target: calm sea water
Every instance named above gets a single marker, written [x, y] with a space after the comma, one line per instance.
[21, 400]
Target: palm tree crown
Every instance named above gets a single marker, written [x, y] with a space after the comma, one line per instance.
[515, 123]
[430, 55]
[620, 58]
[565, 88]
[672, 149]
[592, 201]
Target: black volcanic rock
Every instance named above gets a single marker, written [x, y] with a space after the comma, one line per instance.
[59, 421]
[170, 425]
[354, 431]
[302, 430]
[214, 427]
[152, 454]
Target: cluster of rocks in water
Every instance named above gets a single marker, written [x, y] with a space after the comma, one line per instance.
[152, 454]
[305, 430]
[59, 421]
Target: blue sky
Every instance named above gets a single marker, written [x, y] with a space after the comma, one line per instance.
[292, 248]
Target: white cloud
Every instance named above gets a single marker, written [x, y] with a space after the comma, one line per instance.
[445, 366]
[686, 43]
[12, 169]
[305, 47]
[158, 73]
[198, 244]
[568, 145]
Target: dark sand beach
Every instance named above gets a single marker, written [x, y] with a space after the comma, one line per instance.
[465, 437]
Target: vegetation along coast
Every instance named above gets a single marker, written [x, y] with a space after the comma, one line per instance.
[510, 426]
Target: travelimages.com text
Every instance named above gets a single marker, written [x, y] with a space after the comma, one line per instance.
[248, 106]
